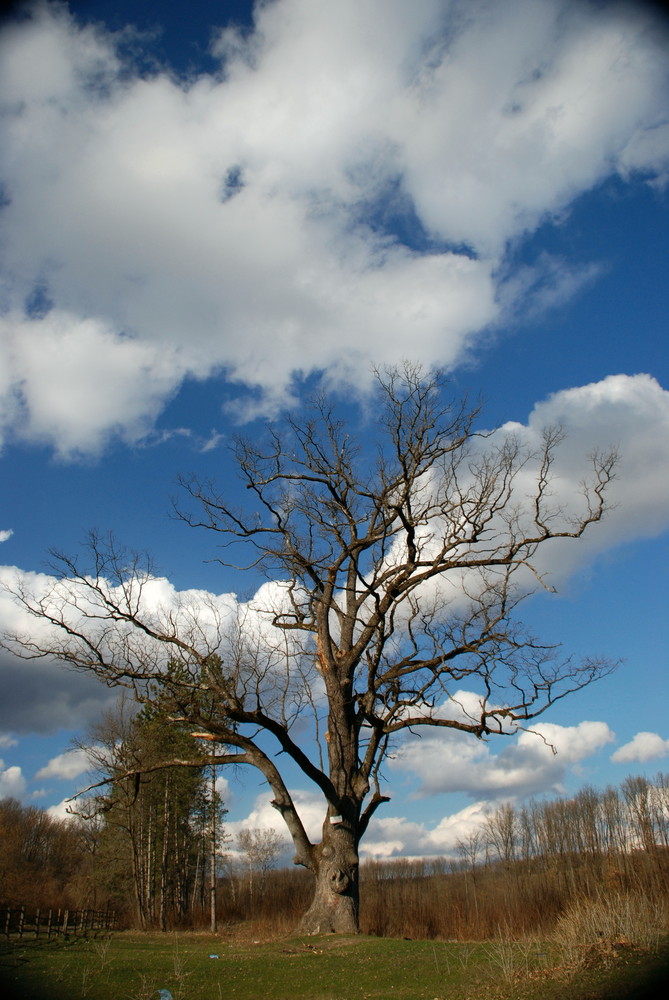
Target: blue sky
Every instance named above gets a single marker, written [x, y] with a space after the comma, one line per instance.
[207, 209]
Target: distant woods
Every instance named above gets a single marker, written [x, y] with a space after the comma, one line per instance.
[522, 869]
[43, 861]
[146, 856]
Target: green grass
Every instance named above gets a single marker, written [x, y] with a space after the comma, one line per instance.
[135, 966]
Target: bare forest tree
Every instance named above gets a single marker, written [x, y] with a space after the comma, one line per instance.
[43, 860]
[395, 573]
[501, 832]
[262, 849]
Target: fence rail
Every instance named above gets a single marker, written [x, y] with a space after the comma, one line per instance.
[24, 922]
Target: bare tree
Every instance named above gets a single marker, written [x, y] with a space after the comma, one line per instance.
[262, 849]
[470, 849]
[398, 579]
[501, 832]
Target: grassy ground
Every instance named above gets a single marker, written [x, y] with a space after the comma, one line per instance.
[201, 967]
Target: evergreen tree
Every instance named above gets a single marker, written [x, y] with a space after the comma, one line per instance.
[155, 841]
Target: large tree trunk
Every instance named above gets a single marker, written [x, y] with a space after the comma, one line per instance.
[334, 908]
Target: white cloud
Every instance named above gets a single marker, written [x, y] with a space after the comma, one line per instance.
[66, 765]
[71, 367]
[512, 767]
[391, 836]
[42, 696]
[644, 746]
[62, 810]
[631, 411]
[12, 782]
[7, 741]
[387, 836]
[263, 816]
[310, 806]
[6, 535]
[627, 412]
[225, 225]
[572, 743]
[647, 152]
[223, 789]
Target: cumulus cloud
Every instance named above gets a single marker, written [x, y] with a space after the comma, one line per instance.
[6, 535]
[627, 413]
[630, 413]
[310, 806]
[449, 761]
[392, 836]
[386, 837]
[308, 208]
[645, 746]
[43, 695]
[40, 696]
[66, 765]
[62, 810]
[12, 782]
[223, 788]
[74, 368]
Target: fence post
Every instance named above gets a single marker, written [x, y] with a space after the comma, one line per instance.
[66, 916]
[22, 917]
[37, 919]
[48, 925]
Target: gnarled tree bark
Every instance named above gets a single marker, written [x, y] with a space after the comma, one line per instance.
[335, 905]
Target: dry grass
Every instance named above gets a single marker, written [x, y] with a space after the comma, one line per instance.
[609, 927]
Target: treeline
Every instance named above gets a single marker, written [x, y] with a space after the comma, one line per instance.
[523, 868]
[150, 850]
[43, 861]
[517, 873]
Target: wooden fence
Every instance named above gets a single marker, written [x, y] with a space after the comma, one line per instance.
[22, 922]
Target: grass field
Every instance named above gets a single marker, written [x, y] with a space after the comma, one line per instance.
[131, 966]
